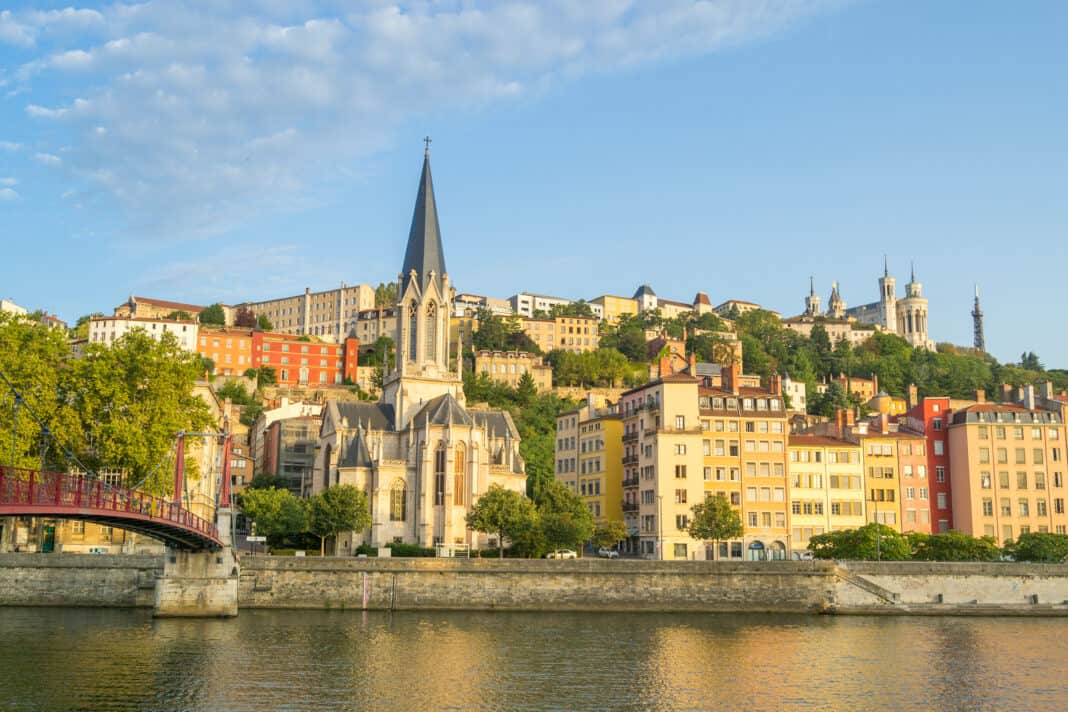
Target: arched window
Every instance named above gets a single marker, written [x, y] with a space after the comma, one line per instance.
[326, 466]
[413, 321]
[458, 480]
[431, 335]
[398, 502]
[439, 474]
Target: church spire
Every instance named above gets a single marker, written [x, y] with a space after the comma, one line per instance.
[912, 270]
[424, 252]
[886, 267]
[811, 286]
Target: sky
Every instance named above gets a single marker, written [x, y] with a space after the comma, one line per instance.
[233, 151]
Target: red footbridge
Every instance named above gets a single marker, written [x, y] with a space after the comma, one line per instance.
[34, 493]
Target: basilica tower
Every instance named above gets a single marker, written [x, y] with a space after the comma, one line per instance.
[812, 302]
[887, 299]
[424, 299]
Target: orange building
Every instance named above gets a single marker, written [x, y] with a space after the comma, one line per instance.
[229, 349]
[298, 360]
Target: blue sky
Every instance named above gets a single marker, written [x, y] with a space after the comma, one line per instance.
[232, 151]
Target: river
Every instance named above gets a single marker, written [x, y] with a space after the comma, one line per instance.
[120, 659]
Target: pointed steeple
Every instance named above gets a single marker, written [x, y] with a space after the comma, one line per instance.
[886, 267]
[912, 270]
[424, 252]
[811, 286]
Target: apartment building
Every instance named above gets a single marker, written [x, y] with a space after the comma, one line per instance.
[597, 478]
[330, 314]
[612, 307]
[509, 367]
[826, 488]
[106, 329]
[230, 349]
[526, 303]
[566, 333]
[298, 361]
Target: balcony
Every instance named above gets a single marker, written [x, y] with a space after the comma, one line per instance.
[630, 482]
[630, 437]
[630, 506]
[630, 459]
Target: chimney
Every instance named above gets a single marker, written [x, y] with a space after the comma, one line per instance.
[775, 383]
[1029, 396]
[1046, 390]
[875, 383]
[839, 421]
[1005, 396]
[732, 375]
[850, 418]
[980, 396]
[913, 396]
[693, 364]
[884, 422]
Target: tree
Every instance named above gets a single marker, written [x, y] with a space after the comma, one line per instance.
[207, 365]
[953, 546]
[386, 294]
[341, 508]
[564, 518]
[1029, 361]
[263, 323]
[278, 513]
[263, 376]
[503, 512]
[213, 314]
[81, 327]
[180, 315]
[1039, 547]
[526, 389]
[715, 520]
[609, 533]
[868, 543]
[245, 317]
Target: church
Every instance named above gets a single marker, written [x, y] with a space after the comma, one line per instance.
[421, 455]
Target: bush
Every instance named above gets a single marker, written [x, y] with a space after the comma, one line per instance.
[495, 553]
[1039, 547]
[410, 550]
[366, 550]
[292, 552]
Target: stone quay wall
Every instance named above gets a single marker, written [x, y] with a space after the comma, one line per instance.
[95, 580]
[886, 588]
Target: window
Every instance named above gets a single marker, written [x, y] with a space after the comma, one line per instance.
[936, 424]
[680, 449]
[1006, 507]
[1038, 456]
[940, 447]
[1024, 507]
[1003, 480]
[680, 551]
[754, 519]
[1021, 480]
[681, 522]
[988, 507]
[459, 482]
[680, 497]
[984, 480]
[1021, 456]
[942, 500]
[680, 472]
[398, 502]
[680, 422]
[413, 322]
[439, 474]
[940, 473]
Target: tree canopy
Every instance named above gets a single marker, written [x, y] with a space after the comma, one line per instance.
[715, 520]
[341, 508]
[502, 512]
[213, 314]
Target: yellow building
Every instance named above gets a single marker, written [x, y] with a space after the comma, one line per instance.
[1007, 471]
[882, 482]
[591, 439]
[826, 488]
[566, 333]
[509, 366]
[613, 307]
[885, 404]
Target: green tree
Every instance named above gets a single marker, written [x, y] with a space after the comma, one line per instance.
[263, 323]
[213, 314]
[609, 533]
[503, 512]
[868, 543]
[953, 546]
[81, 327]
[264, 376]
[526, 389]
[715, 520]
[564, 518]
[277, 513]
[1039, 547]
[342, 508]
[385, 294]
[180, 314]
[207, 365]
[1029, 361]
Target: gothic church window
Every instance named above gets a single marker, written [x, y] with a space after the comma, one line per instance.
[439, 474]
[431, 335]
[413, 321]
[398, 502]
[458, 479]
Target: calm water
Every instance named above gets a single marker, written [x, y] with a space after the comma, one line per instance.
[68, 659]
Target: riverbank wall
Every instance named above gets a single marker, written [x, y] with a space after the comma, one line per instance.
[883, 588]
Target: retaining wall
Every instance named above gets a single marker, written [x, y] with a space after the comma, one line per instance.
[99, 580]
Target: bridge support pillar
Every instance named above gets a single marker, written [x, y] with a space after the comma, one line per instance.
[199, 584]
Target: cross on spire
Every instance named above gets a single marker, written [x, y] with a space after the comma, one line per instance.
[426, 143]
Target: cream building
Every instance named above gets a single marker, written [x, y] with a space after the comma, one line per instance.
[510, 366]
[597, 473]
[565, 333]
[106, 329]
[826, 488]
[421, 455]
[330, 315]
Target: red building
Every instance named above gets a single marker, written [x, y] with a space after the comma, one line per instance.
[297, 361]
[931, 419]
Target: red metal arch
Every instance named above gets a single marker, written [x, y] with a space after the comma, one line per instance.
[62, 496]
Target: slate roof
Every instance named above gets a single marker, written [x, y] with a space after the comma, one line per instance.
[375, 416]
[443, 410]
[356, 453]
[644, 290]
[424, 252]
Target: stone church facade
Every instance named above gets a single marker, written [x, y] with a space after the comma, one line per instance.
[422, 456]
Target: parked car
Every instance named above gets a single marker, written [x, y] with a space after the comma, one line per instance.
[606, 553]
[561, 554]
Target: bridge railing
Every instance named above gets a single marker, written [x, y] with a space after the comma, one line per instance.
[19, 486]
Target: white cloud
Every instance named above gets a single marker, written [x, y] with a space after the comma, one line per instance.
[205, 114]
[8, 194]
[9, 181]
[10, 146]
[47, 159]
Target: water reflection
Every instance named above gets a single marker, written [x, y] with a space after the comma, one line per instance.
[297, 660]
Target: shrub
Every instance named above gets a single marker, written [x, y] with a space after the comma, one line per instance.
[410, 550]
[366, 550]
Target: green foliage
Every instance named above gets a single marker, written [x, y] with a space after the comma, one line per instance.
[179, 314]
[81, 327]
[609, 533]
[1039, 547]
[263, 481]
[715, 520]
[251, 407]
[502, 512]
[526, 390]
[496, 333]
[213, 314]
[953, 546]
[410, 551]
[207, 365]
[342, 508]
[366, 550]
[277, 513]
[861, 545]
[386, 294]
[381, 353]
[263, 323]
[563, 518]
[579, 308]
[264, 376]
[603, 368]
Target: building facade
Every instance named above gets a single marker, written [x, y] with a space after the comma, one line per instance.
[826, 488]
[107, 329]
[595, 472]
[510, 366]
[330, 315]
